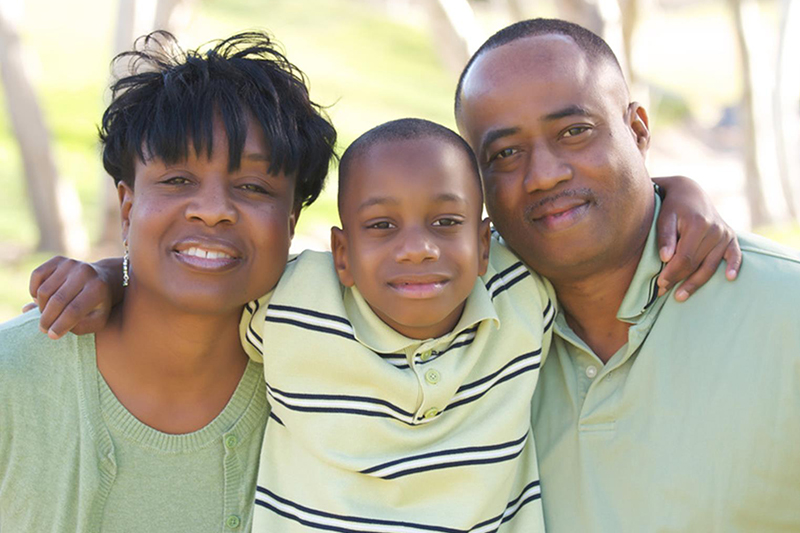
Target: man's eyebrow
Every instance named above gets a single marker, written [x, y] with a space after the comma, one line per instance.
[568, 111]
[492, 135]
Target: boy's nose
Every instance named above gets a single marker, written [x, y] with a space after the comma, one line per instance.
[212, 204]
[417, 246]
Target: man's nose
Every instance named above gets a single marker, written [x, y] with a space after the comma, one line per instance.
[417, 245]
[212, 203]
[546, 169]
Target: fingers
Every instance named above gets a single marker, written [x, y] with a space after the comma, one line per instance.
[42, 273]
[83, 314]
[703, 273]
[687, 255]
[667, 235]
[733, 257]
[58, 293]
[27, 307]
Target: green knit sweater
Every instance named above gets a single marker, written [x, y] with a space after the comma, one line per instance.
[73, 459]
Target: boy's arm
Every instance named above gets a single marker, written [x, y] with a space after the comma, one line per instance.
[692, 238]
[75, 296]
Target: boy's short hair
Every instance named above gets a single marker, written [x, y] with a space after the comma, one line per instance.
[403, 129]
[169, 96]
[595, 48]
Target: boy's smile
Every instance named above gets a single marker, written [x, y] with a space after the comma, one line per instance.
[413, 241]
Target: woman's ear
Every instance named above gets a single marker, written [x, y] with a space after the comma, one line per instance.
[484, 244]
[125, 194]
[340, 260]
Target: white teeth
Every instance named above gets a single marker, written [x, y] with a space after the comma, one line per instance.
[205, 254]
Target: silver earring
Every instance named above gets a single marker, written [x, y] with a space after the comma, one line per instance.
[125, 278]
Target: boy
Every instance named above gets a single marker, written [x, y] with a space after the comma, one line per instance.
[403, 399]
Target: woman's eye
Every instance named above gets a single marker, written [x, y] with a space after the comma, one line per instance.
[447, 222]
[253, 187]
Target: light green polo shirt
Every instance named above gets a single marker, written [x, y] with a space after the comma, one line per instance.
[373, 431]
[694, 424]
[73, 459]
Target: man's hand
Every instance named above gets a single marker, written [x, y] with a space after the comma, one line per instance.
[75, 296]
[692, 238]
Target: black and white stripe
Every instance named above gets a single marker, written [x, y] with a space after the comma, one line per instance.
[507, 278]
[326, 521]
[464, 456]
[251, 336]
[465, 338]
[310, 319]
[339, 403]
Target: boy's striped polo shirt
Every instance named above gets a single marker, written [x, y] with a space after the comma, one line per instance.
[373, 431]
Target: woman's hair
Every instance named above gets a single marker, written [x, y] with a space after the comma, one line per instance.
[169, 98]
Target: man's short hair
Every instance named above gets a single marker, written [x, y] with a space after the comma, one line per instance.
[404, 129]
[169, 97]
[595, 48]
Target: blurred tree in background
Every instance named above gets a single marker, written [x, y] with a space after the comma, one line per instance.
[721, 79]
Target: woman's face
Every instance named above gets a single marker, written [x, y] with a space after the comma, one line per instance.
[206, 239]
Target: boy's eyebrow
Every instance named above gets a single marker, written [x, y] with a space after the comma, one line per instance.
[450, 197]
[377, 200]
[256, 156]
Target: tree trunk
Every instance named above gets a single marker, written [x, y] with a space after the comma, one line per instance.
[786, 106]
[136, 18]
[764, 193]
[455, 31]
[55, 205]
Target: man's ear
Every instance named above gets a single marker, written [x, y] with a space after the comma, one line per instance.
[340, 260]
[640, 126]
[125, 194]
[484, 244]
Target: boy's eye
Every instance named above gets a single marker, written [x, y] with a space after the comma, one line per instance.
[447, 222]
[176, 180]
[382, 224]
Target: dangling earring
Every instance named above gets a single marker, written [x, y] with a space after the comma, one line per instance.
[125, 278]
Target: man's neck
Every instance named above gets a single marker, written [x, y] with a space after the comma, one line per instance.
[174, 371]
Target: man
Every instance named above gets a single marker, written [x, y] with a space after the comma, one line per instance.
[649, 415]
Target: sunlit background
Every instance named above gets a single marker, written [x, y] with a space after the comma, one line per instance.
[721, 79]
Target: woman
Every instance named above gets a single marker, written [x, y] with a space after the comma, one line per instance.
[155, 422]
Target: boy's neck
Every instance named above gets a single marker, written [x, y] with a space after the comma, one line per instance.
[174, 371]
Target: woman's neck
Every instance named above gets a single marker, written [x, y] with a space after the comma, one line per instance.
[173, 370]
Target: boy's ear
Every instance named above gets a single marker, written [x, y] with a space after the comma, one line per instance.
[125, 194]
[293, 218]
[340, 260]
[484, 244]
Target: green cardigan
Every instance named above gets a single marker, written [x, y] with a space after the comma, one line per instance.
[72, 458]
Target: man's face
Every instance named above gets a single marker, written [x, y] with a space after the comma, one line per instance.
[413, 241]
[561, 154]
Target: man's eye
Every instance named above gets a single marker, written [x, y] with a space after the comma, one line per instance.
[447, 222]
[574, 131]
[383, 224]
[505, 152]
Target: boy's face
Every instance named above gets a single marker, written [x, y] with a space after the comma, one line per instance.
[204, 238]
[413, 241]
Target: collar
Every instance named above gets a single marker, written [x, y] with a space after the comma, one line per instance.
[643, 292]
[373, 332]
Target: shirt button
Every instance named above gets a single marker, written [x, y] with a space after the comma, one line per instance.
[233, 521]
[425, 356]
[591, 371]
[430, 413]
[231, 441]
[433, 376]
